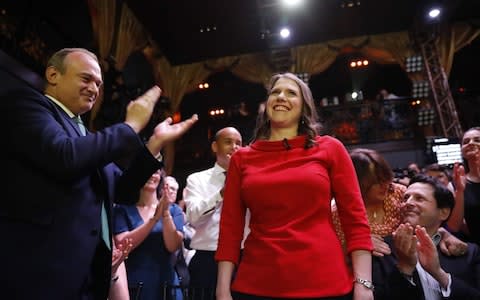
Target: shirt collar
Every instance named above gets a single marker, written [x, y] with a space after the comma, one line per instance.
[217, 169]
[69, 112]
[436, 238]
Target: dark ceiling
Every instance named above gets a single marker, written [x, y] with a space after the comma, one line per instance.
[233, 27]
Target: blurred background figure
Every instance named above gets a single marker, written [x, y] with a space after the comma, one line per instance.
[155, 226]
[383, 200]
[465, 214]
[204, 201]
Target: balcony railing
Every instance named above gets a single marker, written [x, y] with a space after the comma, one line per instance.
[374, 121]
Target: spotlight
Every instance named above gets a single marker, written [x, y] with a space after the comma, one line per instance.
[434, 13]
[359, 63]
[414, 64]
[420, 89]
[284, 33]
[203, 86]
[303, 76]
[216, 112]
[426, 117]
[349, 3]
[291, 2]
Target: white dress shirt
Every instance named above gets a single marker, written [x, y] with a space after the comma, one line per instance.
[431, 287]
[204, 205]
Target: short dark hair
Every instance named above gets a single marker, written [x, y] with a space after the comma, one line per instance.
[438, 168]
[443, 196]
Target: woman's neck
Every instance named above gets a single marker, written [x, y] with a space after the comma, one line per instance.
[474, 170]
[147, 199]
[278, 134]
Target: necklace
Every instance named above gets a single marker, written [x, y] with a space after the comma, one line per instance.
[374, 216]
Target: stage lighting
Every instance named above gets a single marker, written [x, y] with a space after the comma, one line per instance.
[284, 33]
[426, 117]
[414, 64]
[303, 76]
[420, 89]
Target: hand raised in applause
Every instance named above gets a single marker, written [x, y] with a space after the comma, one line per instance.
[166, 132]
[405, 243]
[140, 110]
[164, 203]
[428, 256]
[120, 252]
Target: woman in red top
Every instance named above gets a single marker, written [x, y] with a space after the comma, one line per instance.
[287, 178]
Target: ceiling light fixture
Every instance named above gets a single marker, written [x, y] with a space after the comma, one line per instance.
[291, 2]
[349, 3]
[284, 33]
[434, 13]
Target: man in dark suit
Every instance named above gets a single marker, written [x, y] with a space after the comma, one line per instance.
[60, 181]
[416, 269]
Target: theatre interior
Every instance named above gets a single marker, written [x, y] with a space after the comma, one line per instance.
[384, 74]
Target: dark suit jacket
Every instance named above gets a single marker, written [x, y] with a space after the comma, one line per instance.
[54, 186]
[465, 272]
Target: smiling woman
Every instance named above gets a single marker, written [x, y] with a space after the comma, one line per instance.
[288, 156]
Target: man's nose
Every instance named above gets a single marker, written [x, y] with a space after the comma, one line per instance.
[92, 87]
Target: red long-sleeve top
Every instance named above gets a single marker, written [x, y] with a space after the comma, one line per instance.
[292, 249]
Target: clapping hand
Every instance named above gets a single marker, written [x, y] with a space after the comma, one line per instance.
[120, 252]
[405, 243]
[166, 132]
[140, 110]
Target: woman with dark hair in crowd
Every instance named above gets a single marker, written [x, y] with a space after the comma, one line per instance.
[465, 215]
[383, 199]
[155, 227]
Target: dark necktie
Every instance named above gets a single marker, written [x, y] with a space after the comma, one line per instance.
[104, 218]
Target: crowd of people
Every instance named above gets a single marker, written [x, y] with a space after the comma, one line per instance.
[291, 215]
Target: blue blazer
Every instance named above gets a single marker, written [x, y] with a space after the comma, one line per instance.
[464, 270]
[54, 186]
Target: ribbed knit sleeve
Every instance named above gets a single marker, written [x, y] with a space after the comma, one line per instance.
[346, 192]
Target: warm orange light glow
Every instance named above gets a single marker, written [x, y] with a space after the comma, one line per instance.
[365, 62]
[177, 117]
[206, 85]
[353, 64]
[200, 86]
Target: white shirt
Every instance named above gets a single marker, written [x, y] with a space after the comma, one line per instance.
[431, 288]
[69, 112]
[204, 205]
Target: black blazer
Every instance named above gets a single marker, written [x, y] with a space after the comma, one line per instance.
[54, 186]
[391, 285]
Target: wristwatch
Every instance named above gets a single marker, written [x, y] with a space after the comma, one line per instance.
[366, 283]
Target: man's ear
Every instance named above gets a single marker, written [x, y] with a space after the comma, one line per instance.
[52, 75]
[444, 213]
[214, 147]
